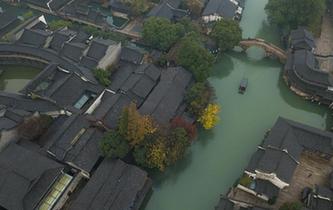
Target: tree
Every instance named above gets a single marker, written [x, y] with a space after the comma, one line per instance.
[58, 24]
[289, 14]
[177, 144]
[227, 34]
[135, 127]
[193, 56]
[198, 98]
[160, 33]
[209, 117]
[291, 206]
[195, 6]
[103, 76]
[33, 127]
[113, 145]
[179, 122]
[157, 154]
[139, 7]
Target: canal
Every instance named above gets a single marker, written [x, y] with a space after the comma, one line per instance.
[14, 78]
[217, 158]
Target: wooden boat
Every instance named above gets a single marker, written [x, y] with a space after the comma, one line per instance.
[243, 85]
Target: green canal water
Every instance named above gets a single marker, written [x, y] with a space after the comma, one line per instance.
[14, 77]
[218, 158]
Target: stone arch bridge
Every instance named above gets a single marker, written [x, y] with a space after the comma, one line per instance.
[270, 49]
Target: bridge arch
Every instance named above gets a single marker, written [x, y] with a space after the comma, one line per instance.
[269, 48]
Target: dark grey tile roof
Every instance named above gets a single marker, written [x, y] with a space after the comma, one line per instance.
[21, 102]
[98, 48]
[25, 177]
[10, 117]
[49, 56]
[131, 55]
[114, 186]
[64, 88]
[85, 13]
[302, 72]
[54, 5]
[302, 39]
[36, 38]
[281, 149]
[73, 50]
[59, 39]
[76, 141]
[167, 96]
[118, 5]
[166, 10]
[111, 108]
[123, 72]
[266, 188]
[6, 20]
[88, 62]
[224, 8]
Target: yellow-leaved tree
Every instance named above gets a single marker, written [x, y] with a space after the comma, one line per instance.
[209, 116]
[134, 126]
[156, 155]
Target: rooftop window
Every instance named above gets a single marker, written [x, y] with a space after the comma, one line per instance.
[56, 191]
[84, 100]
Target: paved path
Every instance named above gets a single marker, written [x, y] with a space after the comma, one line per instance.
[325, 43]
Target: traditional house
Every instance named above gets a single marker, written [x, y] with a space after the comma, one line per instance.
[75, 142]
[301, 39]
[222, 9]
[31, 181]
[303, 75]
[66, 89]
[7, 20]
[276, 159]
[115, 185]
[103, 53]
[36, 38]
[46, 5]
[166, 99]
[168, 9]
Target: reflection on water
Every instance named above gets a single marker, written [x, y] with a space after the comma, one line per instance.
[13, 78]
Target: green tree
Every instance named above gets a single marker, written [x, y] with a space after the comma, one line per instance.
[198, 98]
[113, 145]
[227, 34]
[195, 6]
[103, 76]
[177, 144]
[194, 57]
[139, 7]
[289, 14]
[58, 24]
[161, 33]
[291, 206]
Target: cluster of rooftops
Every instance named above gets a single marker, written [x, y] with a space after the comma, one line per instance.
[302, 72]
[272, 166]
[64, 167]
[170, 9]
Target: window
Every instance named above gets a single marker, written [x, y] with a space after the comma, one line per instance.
[82, 101]
[56, 190]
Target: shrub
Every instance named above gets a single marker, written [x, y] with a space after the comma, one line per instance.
[58, 24]
[291, 206]
[113, 145]
[103, 77]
